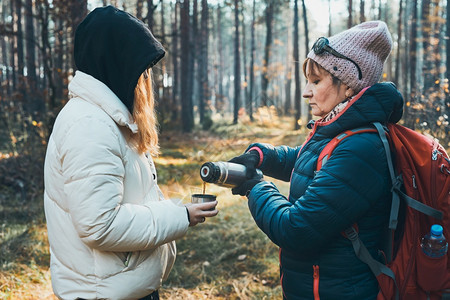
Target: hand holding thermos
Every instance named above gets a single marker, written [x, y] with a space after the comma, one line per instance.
[239, 173]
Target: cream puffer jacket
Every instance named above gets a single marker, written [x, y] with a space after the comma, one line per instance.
[111, 232]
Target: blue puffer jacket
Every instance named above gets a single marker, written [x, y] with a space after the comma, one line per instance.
[353, 187]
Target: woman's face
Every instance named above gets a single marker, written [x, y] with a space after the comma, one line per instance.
[322, 95]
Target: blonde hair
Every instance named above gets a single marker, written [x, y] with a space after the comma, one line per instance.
[144, 115]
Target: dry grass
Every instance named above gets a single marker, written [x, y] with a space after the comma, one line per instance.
[227, 257]
[25, 260]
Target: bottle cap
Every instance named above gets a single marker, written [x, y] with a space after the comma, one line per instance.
[436, 230]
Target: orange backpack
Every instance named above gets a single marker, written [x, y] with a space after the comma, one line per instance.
[421, 179]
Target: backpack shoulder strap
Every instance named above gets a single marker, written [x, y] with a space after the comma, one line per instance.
[364, 255]
[396, 181]
[328, 149]
[396, 187]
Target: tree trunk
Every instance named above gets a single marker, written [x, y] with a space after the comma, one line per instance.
[287, 78]
[43, 13]
[399, 41]
[426, 46]
[3, 79]
[413, 62]
[139, 7]
[237, 59]
[150, 18]
[380, 15]
[33, 102]
[436, 100]
[163, 23]
[447, 44]
[267, 48]
[29, 40]
[59, 53]
[193, 59]
[329, 18]
[20, 50]
[6, 82]
[297, 103]
[164, 102]
[203, 69]
[406, 55]
[246, 100]
[187, 112]
[220, 97]
[200, 59]
[78, 11]
[175, 54]
[252, 63]
[305, 24]
[362, 14]
[350, 14]
[12, 57]
[438, 28]
[287, 91]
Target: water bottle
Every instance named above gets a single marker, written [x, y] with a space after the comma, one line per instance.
[225, 174]
[434, 243]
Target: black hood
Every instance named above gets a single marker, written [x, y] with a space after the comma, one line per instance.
[115, 48]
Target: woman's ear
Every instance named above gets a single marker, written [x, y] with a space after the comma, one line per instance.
[349, 92]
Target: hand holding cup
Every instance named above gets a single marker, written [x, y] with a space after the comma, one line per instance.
[203, 206]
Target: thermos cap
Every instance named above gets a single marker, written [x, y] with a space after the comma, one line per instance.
[209, 172]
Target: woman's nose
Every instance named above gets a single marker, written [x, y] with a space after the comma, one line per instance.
[307, 92]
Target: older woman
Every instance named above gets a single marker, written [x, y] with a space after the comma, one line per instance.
[316, 260]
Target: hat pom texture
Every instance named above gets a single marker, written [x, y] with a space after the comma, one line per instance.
[368, 44]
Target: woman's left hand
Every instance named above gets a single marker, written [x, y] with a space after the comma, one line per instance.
[245, 188]
[198, 212]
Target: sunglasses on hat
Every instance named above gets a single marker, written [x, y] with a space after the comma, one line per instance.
[322, 45]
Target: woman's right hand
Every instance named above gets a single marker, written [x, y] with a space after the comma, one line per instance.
[250, 160]
[198, 212]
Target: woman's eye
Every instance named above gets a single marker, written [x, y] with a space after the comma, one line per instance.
[316, 81]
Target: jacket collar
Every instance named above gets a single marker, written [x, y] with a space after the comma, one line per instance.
[381, 102]
[96, 92]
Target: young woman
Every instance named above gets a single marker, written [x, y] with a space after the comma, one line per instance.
[111, 231]
[316, 260]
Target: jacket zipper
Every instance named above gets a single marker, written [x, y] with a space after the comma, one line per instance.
[316, 282]
[127, 259]
[311, 134]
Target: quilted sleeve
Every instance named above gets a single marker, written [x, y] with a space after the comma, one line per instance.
[278, 162]
[93, 173]
[355, 177]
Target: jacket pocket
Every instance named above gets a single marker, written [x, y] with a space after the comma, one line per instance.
[108, 263]
[124, 257]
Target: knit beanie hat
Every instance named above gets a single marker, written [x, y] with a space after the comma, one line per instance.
[367, 44]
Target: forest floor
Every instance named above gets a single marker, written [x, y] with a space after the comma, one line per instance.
[227, 257]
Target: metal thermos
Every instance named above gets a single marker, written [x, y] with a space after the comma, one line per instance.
[225, 174]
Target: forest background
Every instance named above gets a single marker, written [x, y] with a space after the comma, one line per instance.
[231, 74]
